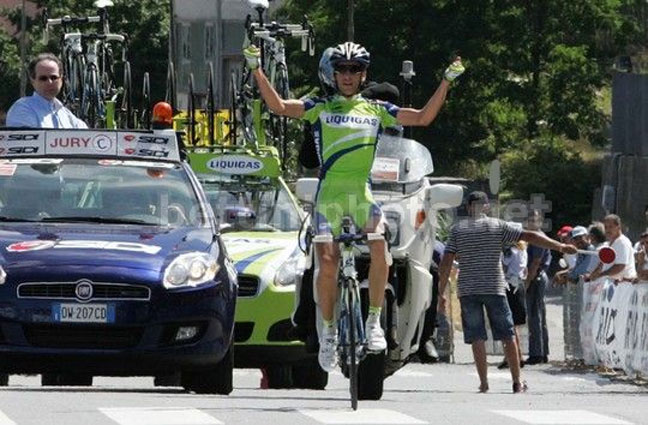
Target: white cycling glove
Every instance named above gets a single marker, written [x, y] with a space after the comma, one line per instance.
[455, 69]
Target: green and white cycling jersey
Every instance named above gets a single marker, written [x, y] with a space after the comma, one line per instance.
[346, 132]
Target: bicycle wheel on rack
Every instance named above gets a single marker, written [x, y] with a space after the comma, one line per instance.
[145, 108]
[170, 96]
[126, 106]
[91, 99]
[280, 124]
[191, 110]
[210, 110]
[353, 337]
[233, 109]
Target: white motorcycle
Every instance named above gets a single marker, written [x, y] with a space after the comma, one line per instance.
[410, 205]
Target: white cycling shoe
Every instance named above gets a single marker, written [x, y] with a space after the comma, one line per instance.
[327, 356]
[375, 337]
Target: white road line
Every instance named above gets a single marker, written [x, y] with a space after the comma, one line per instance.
[561, 417]
[4, 420]
[360, 416]
[158, 416]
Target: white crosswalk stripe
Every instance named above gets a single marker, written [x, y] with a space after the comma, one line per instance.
[561, 417]
[159, 416]
[4, 420]
[360, 416]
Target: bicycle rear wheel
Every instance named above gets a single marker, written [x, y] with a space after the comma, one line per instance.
[191, 111]
[145, 109]
[233, 122]
[353, 341]
[210, 104]
[126, 107]
[170, 96]
[91, 98]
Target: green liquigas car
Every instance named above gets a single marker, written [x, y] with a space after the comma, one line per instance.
[260, 222]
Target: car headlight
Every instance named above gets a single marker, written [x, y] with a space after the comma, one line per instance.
[190, 269]
[3, 276]
[292, 270]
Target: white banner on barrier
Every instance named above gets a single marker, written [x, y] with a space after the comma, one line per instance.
[614, 325]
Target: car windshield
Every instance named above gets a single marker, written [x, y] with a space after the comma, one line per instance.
[251, 204]
[98, 191]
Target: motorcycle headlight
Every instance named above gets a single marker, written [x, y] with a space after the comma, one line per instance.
[291, 271]
[190, 269]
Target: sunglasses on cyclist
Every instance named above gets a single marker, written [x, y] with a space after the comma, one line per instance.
[353, 69]
[48, 78]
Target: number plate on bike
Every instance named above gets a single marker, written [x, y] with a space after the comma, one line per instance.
[83, 313]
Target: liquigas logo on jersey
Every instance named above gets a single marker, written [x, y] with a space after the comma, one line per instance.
[235, 164]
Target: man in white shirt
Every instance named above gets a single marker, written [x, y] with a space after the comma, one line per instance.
[42, 109]
[623, 267]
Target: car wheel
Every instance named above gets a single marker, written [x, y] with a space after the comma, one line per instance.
[309, 375]
[217, 380]
[66, 379]
[371, 376]
[4, 379]
[279, 376]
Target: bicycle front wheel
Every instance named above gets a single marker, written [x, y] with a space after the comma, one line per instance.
[353, 342]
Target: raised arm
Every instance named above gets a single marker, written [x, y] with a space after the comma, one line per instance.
[423, 117]
[292, 108]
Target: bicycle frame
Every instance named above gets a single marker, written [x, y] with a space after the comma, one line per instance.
[352, 343]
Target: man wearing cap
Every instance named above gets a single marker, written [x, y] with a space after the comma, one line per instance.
[585, 263]
[476, 242]
[564, 236]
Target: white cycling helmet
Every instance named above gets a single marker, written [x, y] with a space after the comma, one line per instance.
[325, 71]
[350, 52]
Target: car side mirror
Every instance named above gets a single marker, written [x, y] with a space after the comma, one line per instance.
[306, 188]
[442, 196]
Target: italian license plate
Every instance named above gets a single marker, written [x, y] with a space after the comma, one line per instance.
[83, 313]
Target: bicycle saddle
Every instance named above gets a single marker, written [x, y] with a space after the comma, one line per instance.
[100, 4]
[255, 4]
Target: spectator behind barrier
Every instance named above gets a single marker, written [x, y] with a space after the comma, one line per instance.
[623, 267]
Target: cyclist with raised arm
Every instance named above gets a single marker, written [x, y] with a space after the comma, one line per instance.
[347, 127]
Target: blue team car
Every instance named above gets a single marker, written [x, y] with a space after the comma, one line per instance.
[110, 261]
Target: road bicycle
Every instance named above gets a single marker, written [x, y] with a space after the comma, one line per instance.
[88, 67]
[256, 124]
[364, 369]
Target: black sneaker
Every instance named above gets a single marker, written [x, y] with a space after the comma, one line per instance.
[503, 365]
[534, 360]
[520, 387]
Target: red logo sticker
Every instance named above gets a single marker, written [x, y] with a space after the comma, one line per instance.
[30, 246]
[129, 137]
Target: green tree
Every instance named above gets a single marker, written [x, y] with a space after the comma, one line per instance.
[531, 64]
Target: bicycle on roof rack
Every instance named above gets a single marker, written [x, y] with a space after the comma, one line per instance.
[251, 122]
[89, 87]
[202, 122]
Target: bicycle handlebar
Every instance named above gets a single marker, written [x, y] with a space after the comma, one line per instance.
[71, 20]
[349, 237]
